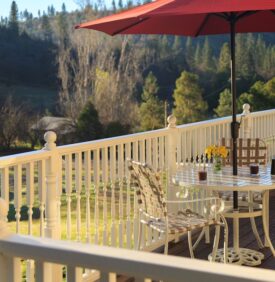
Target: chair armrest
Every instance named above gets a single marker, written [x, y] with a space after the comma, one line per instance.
[212, 205]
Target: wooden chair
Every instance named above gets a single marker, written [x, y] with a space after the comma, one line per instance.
[153, 211]
[249, 151]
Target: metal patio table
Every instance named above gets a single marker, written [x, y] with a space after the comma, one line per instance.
[187, 176]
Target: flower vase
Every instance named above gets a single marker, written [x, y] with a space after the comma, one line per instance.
[217, 164]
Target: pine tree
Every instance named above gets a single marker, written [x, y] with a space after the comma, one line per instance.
[13, 19]
[225, 102]
[189, 52]
[207, 56]
[224, 58]
[188, 102]
[114, 5]
[46, 27]
[63, 25]
[197, 57]
[120, 4]
[151, 109]
[88, 125]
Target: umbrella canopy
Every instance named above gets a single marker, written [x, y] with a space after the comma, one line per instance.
[190, 18]
[194, 18]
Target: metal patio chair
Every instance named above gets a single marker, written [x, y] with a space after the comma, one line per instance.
[153, 211]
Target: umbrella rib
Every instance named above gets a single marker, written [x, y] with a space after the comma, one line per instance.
[202, 25]
[246, 14]
[129, 26]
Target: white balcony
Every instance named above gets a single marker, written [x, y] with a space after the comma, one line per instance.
[81, 193]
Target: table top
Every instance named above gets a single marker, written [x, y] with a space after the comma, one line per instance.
[187, 175]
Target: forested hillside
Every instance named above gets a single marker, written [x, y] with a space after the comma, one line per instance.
[119, 82]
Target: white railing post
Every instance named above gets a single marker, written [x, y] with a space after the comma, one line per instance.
[4, 261]
[51, 228]
[247, 122]
[171, 153]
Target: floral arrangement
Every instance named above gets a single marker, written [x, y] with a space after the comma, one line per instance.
[216, 151]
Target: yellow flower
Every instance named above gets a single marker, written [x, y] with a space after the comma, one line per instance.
[216, 151]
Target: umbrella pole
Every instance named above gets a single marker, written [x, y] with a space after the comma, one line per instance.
[234, 124]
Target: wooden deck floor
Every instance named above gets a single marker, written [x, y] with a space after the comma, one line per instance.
[247, 239]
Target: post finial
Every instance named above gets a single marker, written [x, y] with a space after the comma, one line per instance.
[50, 138]
[246, 109]
[172, 121]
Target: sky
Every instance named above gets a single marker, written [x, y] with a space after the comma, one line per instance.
[34, 5]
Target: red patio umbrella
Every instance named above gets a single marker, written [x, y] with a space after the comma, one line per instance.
[195, 18]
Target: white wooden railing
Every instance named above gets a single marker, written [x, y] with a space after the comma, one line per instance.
[110, 262]
[82, 190]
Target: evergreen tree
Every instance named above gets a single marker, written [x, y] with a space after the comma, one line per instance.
[151, 109]
[120, 4]
[224, 58]
[177, 47]
[207, 56]
[114, 5]
[46, 27]
[63, 25]
[225, 102]
[13, 19]
[197, 57]
[188, 101]
[189, 54]
[88, 125]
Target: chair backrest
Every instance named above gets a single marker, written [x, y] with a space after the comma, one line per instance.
[147, 185]
[249, 151]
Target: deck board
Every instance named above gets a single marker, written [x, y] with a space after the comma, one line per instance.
[247, 239]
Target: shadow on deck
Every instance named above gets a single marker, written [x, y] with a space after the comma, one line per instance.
[247, 239]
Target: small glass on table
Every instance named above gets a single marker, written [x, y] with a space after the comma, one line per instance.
[254, 169]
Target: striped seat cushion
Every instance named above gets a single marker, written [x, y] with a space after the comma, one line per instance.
[180, 223]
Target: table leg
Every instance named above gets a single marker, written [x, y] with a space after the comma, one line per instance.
[236, 243]
[266, 221]
[237, 255]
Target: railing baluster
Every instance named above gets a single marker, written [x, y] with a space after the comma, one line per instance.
[68, 176]
[78, 187]
[74, 274]
[121, 174]
[30, 200]
[14, 271]
[136, 215]
[17, 194]
[96, 167]
[87, 160]
[128, 201]
[30, 194]
[105, 184]
[42, 193]
[5, 184]
[113, 186]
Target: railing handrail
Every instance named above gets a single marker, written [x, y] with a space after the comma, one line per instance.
[128, 262]
[101, 143]
[24, 158]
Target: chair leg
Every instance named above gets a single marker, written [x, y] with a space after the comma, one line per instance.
[207, 235]
[225, 244]
[216, 242]
[166, 244]
[190, 244]
[199, 239]
[139, 236]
